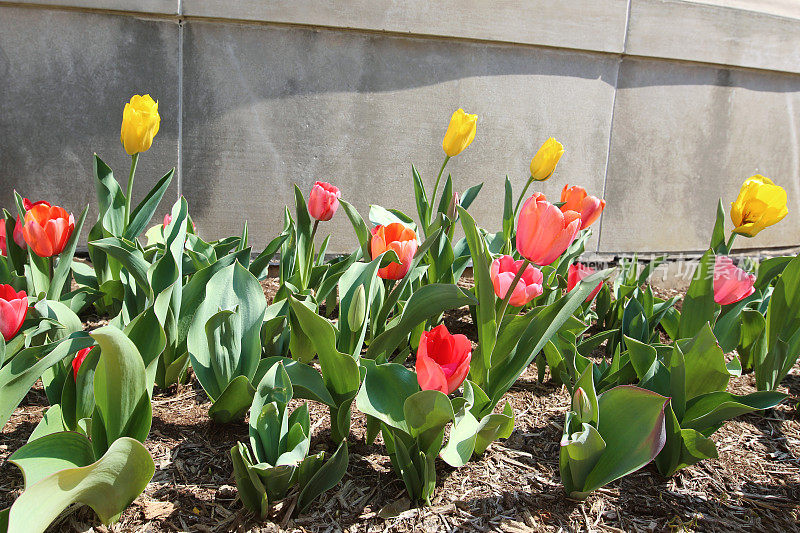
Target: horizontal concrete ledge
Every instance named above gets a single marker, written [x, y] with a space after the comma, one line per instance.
[760, 34]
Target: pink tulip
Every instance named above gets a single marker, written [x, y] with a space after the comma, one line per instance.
[78, 361]
[544, 232]
[576, 273]
[576, 199]
[399, 238]
[442, 360]
[13, 309]
[731, 283]
[323, 201]
[19, 237]
[167, 220]
[529, 286]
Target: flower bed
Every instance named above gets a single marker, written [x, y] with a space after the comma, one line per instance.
[386, 359]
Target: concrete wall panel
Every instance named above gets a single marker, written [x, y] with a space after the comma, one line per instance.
[65, 79]
[687, 135]
[267, 107]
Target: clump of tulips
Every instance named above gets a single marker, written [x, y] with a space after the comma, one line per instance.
[367, 330]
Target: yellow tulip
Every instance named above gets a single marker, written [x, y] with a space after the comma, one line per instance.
[760, 203]
[460, 133]
[544, 162]
[140, 122]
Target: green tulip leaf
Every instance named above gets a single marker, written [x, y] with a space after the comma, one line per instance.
[699, 307]
[108, 485]
[384, 392]
[325, 478]
[234, 401]
[708, 412]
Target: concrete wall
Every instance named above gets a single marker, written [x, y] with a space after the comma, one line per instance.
[663, 106]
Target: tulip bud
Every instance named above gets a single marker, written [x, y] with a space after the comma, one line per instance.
[78, 361]
[544, 162]
[544, 232]
[451, 209]
[581, 405]
[576, 273]
[731, 283]
[323, 201]
[140, 123]
[13, 309]
[760, 203]
[358, 309]
[460, 133]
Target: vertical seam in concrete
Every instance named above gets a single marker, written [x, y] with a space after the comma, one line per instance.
[611, 124]
[180, 100]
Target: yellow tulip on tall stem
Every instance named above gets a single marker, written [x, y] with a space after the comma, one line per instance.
[543, 165]
[459, 135]
[140, 123]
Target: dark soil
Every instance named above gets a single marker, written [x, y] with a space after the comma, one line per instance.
[513, 487]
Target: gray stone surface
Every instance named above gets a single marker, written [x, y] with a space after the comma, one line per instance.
[686, 135]
[583, 24]
[692, 31]
[65, 79]
[163, 7]
[267, 107]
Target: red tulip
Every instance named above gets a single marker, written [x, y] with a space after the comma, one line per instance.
[589, 207]
[576, 273]
[18, 238]
[323, 200]
[544, 231]
[442, 360]
[399, 238]
[27, 204]
[3, 250]
[13, 308]
[529, 286]
[731, 283]
[78, 361]
[47, 229]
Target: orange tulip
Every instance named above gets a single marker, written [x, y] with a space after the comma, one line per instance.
[399, 238]
[47, 229]
[576, 199]
[544, 231]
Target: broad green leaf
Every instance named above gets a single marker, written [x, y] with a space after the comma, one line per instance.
[494, 426]
[769, 269]
[362, 231]
[705, 364]
[307, 383]
[427, 302]
[18, 375]
[427, 412]
[718, 235]
[708, 412]
[461, 442]
[122, 403]
[234, 401]
[384, 392]
[108, 486]
[632, 426]
[110, 198]
[51, 453]
[580, 452]
[251, 489]
[52, 422]
[143, 212]
[64, 264]
[328, 475]
[699, 307]
[684, 447]
[752, 345]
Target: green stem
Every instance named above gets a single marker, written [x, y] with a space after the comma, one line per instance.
[729, 244]
[310, 258]
[522, 195]
[436, 186]
[134, 160]
[502, 311]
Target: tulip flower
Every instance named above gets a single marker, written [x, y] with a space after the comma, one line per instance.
[3, 250]
[544, 162]
[544, 231]
[13, 308]
[576, 199]
[442, 360]
[576, 273]
[78, 361]
[760, 203]
[167, 220]
[731, 283]
[140, 123]
[529, 286]
[399, 238]
[17, 236]
[47, 229]
[460, 133]
[323, 201]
